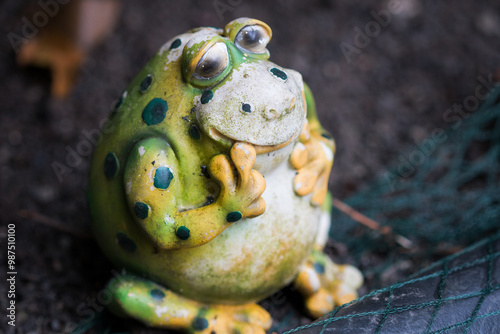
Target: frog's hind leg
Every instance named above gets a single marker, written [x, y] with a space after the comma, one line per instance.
[157, 306]
[323, 283]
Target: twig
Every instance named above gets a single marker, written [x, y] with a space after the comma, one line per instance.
[51, 222]
[370, 223]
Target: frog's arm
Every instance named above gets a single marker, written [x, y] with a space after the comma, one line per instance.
[312, 156]
[152, 181]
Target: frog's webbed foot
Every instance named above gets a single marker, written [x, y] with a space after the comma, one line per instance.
[313, 159]
[243, 319]
[326, 285]
[241, 186]
[157, 306]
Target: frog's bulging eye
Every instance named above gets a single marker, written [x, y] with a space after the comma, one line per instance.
[253, 38]
[213, 62]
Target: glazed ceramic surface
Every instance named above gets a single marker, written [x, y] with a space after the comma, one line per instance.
[212, 177]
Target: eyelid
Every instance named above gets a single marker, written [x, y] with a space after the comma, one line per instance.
[234, 27]
[196, 59]
[205, 53]
[191, 56]
[240, 46]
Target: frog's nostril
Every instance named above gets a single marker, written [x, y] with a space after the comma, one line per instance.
[271, 114]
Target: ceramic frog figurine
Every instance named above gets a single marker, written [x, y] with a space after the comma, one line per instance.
[211, 188]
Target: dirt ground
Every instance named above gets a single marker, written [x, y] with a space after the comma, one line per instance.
[377, 95]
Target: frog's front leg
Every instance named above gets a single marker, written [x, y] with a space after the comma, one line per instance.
[153, 180]
[156, 306]
[312, 156]
[313, 159]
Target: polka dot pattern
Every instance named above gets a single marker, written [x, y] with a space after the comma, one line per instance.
[163, 177]
[141, 210]
[194, 132]
[146, 83]
[175, 44]
[319, 267]
[233, 216]
[155, 112]
[182, 233]
[278, 73]
[200, 324]
[111, 165]
[157, 294]
[125, 242]
[206, 96]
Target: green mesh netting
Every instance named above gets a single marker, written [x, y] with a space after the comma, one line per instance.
[443, 195]
[460, 294]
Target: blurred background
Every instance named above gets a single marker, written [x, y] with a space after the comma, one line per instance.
[386, 76]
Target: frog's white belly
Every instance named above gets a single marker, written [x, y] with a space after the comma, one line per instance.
[252, 258]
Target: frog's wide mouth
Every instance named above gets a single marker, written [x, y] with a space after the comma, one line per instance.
[259, 149]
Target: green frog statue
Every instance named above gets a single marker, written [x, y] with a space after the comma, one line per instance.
[211, 190]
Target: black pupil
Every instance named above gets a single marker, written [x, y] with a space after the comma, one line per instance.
[251, 37]
[208, 66]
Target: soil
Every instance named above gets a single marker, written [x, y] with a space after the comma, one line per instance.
[377, 91]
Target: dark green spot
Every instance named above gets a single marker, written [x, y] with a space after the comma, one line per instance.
[111, 165]
[194, 132]
[155, 111]
[141, 210]
[200, 324]
[206, 96]
[182, 232]
[246, 107]
[233, 216]
[278, 73]
[204, 171]
[326, 135]
[163, 177]
[175, 44]
[319, 267]
[125, 242]
[157, 294]
[146, 83]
